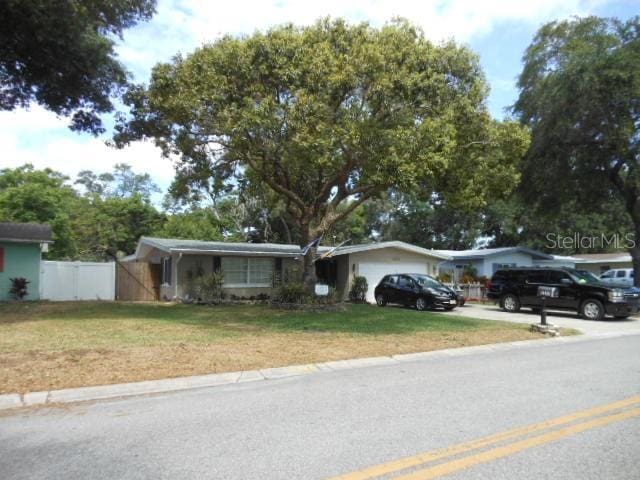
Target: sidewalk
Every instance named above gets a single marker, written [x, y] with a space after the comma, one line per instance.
[83, 394]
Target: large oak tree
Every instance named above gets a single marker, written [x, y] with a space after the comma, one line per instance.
[580, 95]
[61, 55]
[329, 116]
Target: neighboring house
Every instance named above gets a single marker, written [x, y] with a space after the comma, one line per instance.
[251, 269]
[487, 261]
[598, 263]
[21, 247]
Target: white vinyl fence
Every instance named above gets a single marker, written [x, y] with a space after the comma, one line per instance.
[474, 291]
[77, 281]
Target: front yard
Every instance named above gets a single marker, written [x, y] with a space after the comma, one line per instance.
[57, 345]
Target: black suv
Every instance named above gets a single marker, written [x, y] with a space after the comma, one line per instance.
[414, 289]
[578, 290]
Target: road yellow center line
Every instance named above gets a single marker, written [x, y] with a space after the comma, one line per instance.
[500, 452]
[417, 460]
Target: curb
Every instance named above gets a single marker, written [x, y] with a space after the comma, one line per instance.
[121, 390]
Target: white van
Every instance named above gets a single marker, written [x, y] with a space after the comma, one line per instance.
[618, 276]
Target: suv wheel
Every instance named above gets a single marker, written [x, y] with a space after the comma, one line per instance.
[510, 303]
[592, 309]
[421, 304]
[380, 300]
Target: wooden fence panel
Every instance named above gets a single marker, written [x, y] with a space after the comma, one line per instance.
[138, 281]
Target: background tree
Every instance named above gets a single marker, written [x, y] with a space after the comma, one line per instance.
[40, 196]
[327, 117]
[579, 94]
[122, 182]
[114, 212]
[60, 54]
[429, 223]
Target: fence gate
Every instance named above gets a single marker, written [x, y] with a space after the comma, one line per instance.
[77, 281]
[138, 281]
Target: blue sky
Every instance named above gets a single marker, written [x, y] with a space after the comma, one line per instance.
[498, 30]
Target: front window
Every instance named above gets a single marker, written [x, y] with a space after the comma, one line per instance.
[427, 281]
[500, 266]
[247, 271]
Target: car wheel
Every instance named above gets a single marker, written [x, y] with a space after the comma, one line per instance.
[421, 304]
[380, 300]
[592, 310]
[510, 303]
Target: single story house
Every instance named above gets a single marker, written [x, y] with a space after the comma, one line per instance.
[21, 247]
[251, 269]
[598, 263]
[487, 261]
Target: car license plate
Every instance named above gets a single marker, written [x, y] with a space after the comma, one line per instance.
[452, 302]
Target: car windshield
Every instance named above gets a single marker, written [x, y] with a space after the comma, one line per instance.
[426, 281]
[583, 276]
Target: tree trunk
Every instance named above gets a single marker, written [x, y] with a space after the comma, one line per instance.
[635, 253]
[308, 265]
[287, 230]
[309, 278]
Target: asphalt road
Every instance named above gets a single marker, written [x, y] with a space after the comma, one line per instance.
[329, 424]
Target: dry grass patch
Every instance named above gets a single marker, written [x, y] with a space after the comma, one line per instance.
[50, 346]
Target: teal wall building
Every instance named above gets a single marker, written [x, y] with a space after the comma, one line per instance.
[21, 246]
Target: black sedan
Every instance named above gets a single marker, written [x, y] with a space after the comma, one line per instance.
[417, 290]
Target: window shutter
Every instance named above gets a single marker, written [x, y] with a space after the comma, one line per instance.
[1, 259]
[217, 264]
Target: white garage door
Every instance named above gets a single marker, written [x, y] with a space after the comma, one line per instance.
[374, 271]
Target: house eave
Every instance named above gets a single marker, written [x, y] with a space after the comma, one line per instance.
[24, 240]
[231, 253]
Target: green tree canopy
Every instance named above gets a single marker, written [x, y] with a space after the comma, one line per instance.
[40, 196]
[328, 115]
[579, 94]
[61, 55]
[122, 182]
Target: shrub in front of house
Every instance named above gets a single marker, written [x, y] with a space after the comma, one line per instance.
[18, 288]
[293, 292]
[208, 287]
[358, 291]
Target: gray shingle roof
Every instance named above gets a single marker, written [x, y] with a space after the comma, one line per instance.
[175, 244]
[25, 232]
[178, 245]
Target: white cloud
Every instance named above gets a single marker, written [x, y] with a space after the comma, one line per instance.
[182, 25]
[38, 137]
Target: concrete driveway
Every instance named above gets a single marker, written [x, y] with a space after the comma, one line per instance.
[562, 319]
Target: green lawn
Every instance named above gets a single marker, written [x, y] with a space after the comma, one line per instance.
[54, 345]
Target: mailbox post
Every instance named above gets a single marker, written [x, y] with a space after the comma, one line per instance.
[544, 293]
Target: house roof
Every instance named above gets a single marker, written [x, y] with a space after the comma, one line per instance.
[602, 257]
[491, 252]
[271, 249]
[394, 244]
[25, 232]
